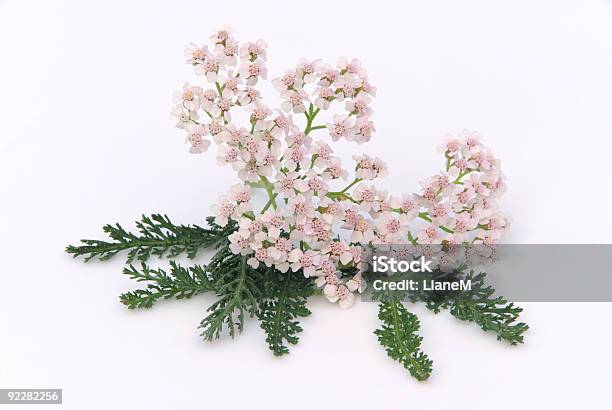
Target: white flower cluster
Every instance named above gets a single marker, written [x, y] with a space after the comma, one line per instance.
[305, 225]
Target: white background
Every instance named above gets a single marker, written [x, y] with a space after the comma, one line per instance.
[85, 139]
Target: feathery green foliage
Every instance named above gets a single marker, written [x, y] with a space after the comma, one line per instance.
[236, 285]
[157, 236]
[279, 299]
[283, 303]
[400, 339]
[491, 313]
[178, 283]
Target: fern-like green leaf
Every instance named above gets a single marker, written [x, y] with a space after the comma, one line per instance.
[400, 339]
[284, 302]
[238, 292]
[178, 283]
[157, 236]
[492, 313]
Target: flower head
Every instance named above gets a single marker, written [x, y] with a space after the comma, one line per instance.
[311, 221]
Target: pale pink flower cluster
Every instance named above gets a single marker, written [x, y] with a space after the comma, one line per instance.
[316, 85]
[307, 225]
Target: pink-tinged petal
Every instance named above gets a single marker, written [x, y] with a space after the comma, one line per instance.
[274, 232]
[253, 263]
[221, 220]
[347, 301]
[352, 285]
[346, 258]
[330, 290]
[294, 255]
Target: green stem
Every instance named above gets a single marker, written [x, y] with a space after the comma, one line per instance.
[310, 116]
[355, 181]
[335, 195]
[461, 175]
[271, 201]
[425, 216]
[219, 88]
[269, 187]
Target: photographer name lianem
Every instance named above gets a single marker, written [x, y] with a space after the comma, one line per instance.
[425, 285]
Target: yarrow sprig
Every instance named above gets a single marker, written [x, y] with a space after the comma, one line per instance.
[307, 225]
[319, 215]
